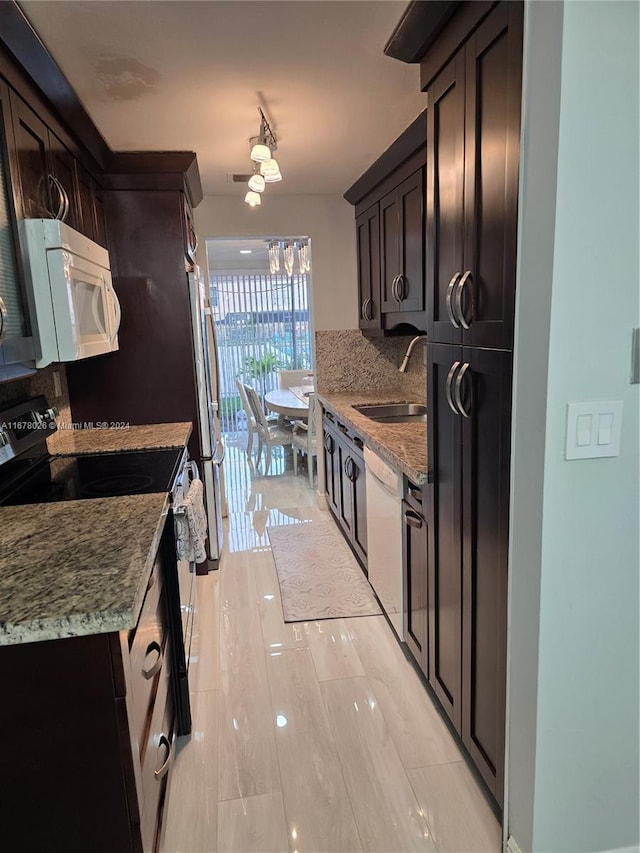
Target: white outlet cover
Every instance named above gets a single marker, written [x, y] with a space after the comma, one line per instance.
[608, 414]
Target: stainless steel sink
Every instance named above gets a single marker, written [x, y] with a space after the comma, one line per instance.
[394, 413]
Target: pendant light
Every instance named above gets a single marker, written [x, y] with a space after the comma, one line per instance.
[256, 183]
[253, 199]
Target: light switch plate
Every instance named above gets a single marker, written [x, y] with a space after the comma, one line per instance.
[593, 429]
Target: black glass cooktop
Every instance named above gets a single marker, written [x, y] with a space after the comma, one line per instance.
[68, 478]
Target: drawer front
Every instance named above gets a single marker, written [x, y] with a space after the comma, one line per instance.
[149, 658]
[156, 761]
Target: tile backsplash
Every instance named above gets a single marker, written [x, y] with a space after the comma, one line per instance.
[42, 382]
[348, 361]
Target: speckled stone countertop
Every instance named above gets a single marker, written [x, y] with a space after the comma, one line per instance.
[71, 442]
[404, 446]
[74, 568]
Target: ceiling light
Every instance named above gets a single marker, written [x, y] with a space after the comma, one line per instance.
[253, 199]
[274, 257]
[245, 251]
[256, 183]
[269, 167]
[260, 151]
[266, 169]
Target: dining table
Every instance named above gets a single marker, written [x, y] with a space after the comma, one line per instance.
[286, 403]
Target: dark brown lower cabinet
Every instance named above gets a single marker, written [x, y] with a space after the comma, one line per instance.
[87, 728]
[346, 484]
[415, 551]
[469, 422]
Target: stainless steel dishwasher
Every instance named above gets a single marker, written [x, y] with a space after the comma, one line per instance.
[384, 535]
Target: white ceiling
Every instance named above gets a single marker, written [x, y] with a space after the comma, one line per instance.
[190, 75]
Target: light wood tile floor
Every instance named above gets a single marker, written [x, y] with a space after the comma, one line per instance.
[314, 736]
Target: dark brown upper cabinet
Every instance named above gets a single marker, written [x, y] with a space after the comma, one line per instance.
[368, 249]
[33, 186]
[63, 169]
[473, 132]
[402, 249]
[389, 202]
[49, 181]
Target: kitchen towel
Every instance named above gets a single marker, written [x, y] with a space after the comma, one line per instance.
[191, 524]
[318, 575]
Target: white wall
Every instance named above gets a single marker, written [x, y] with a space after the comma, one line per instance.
[330, 223]
[585, 728]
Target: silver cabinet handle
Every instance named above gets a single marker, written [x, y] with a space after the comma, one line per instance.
[163, 769]
[67, 203]
[63, 200]
[461, 286]
[452, 284]
[156, 666]
[457, 390]
[454, 367]
[394, 288]
[412, 519]
[3, 318]
[402, 287]
[366, 309]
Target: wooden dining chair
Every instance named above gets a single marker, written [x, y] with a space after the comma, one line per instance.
[252, 428]
[291, 378]
[269, 433]
[305, 439]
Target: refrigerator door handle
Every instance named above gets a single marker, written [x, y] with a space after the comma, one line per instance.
[219, 459]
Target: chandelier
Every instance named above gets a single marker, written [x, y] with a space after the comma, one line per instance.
[289, 251]
[265, 167]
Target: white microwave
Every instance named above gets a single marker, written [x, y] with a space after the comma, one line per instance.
[73, 307]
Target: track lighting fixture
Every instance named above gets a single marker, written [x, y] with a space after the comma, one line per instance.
[266, 168]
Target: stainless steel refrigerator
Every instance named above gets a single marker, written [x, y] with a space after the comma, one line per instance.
[207, 385]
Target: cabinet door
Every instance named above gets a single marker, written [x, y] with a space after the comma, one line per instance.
[389, 251]
[445, 165]
[31, 145]
[16, 343]
[345, 497]
[368, 247]
[493, 65]
[86, 187]
[445, 547]
[332, 470]
[410, 286]
[485, 393]
[101, 226]
[415, 543]
[63, 167]
[359, 506]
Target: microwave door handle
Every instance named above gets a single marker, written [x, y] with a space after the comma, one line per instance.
[118, 313]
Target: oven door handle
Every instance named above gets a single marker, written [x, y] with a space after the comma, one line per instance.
[192, 469]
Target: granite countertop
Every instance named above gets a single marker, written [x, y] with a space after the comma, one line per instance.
[72, 442]
[403, 446]
[74, 568]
